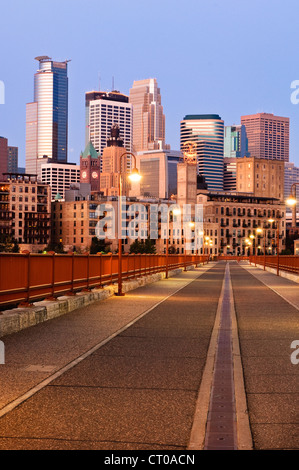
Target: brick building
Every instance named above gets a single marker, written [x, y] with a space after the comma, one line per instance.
[25, 206]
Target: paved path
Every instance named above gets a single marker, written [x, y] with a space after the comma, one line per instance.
[130, 392]
[268, 325]
[127, 373]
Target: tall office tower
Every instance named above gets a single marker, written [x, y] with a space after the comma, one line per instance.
[158, 169]
[291, 176]
[102, 110]
[47, 115]
[3, 157]
[235, 142]
[148, 117]
[12, 159]
[268, 136]
[90, 166]
[207, 132]
[230, 174]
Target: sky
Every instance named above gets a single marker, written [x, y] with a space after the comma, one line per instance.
[226, 57]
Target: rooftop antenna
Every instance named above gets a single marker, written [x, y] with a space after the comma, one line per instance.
[99, 82]
[112, 83]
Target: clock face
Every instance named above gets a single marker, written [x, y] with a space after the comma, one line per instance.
[84, 174]
[94, 174]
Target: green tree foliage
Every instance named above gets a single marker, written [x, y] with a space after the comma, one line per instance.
[141, 246]
[8, 244]
[97, 246]
[56, 247]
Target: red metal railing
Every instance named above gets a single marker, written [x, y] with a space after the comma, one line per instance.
[282, 263]
[232, 258]
[30, 277]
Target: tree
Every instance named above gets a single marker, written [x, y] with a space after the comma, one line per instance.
[56, 247]
[97, 246]
[15, 248]
[147, 246]
[8, 244]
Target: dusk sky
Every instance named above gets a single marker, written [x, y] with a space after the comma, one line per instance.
[226, 57]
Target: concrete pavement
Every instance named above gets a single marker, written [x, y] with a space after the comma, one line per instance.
[267, 326]
[126, 373]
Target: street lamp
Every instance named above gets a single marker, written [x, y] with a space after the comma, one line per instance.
[175, 211]
[277, 240]
[134, 177]
[259, 231]
[292, 202]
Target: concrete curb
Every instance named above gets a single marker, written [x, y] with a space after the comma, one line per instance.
[17, 319]
[286, 274]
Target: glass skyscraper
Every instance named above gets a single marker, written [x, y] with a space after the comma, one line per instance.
[47, 116]
[207, 131]
[235, 142]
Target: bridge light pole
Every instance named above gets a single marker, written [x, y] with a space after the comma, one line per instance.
[277, 240]
[134, 177]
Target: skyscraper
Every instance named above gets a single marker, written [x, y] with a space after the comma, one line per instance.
[268, 136]
[159, 173]
[235, 142]
[3, 157]
[148, 117]
[291, 176]
[12, 159]
[235, 146]
[47, 115]
[207, 132]
[102, 110]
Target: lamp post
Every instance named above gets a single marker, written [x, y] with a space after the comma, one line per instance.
[292, 202]
[175, 211]
[134, 177]
[259, 231]
[277, 241]
[252, 238]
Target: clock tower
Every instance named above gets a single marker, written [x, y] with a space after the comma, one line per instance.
[90, 167]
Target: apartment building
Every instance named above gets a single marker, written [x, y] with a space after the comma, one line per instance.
[231, 220]
[25, 206]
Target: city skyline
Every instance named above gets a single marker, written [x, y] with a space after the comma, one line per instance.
[252, 84]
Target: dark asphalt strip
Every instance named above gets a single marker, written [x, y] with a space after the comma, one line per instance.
[136, 391]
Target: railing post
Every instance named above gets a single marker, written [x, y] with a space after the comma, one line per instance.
[87, 289]
[111, 274]
[88, 263]
[26, 303]
[52, 296]
[71, 292]
[101, 269]
[167, 250]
